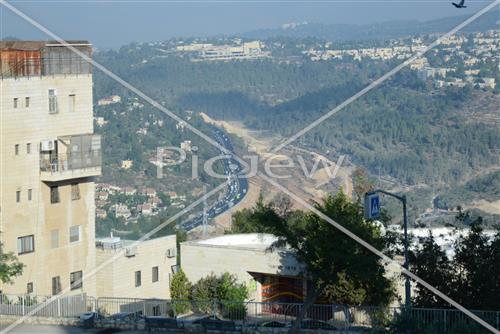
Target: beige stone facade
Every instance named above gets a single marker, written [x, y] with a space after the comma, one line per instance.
[135, 271]
[246, 256]
[48, 160]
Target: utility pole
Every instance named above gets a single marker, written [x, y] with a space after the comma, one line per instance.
[372, 211]
[205, 216]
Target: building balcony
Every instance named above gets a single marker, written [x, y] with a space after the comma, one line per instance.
[68, 166]
[70, 157]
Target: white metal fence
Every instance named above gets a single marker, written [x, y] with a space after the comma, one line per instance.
[66, 306]
[255, 313]
[247, 313]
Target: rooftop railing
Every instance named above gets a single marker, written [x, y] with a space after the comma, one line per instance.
[44, 66]
[70, 161]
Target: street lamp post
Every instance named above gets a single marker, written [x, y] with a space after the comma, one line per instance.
[374, 213]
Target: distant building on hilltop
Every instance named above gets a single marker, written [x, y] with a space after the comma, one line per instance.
[207, 51]
[109, 100]
[127, 164]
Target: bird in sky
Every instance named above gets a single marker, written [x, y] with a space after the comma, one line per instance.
[460, 4]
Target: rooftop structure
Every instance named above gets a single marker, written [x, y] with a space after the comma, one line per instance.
[253, 241]
[36, 58]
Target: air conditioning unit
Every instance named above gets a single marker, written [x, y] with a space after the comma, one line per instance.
[171, 252]
[48, 145]
[129, 252]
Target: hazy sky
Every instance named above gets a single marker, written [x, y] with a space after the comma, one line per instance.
[116, 22]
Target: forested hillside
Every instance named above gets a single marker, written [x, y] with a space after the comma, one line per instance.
[405, 129]
[374, 31]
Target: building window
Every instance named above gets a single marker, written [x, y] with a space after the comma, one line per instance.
[16, 149]
[54, 194]
[56, 285]
[28, 148]
[75, 280]
[26, 244]
[52, 101]
[16, 102]
[155, 274]
[71, 102]
[30, 194]
[18, 196]
[138, 278]
[26, 102]
[29, 287]
[75, 191]
[74, 233]
[54, 238]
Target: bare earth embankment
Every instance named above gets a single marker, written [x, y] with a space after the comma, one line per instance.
[308, 184]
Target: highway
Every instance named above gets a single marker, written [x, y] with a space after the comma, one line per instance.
[237, 185]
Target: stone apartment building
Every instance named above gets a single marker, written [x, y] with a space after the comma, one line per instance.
[49, 158]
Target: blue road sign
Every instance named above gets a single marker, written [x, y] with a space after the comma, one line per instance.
[372, 206]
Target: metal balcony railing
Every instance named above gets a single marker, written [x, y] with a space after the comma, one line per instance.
[60, 163]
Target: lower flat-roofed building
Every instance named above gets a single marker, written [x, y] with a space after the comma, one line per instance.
[135, 271]
[270, 276]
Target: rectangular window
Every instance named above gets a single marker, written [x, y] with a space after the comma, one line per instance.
[71, 102]
[74, 233]
[56, 285]
[26, 102]
[30, 194]
[75, 280]
[52, 101]
[29, 287]
[54, 194]
[16, 102]
[138, 278]
[54, 238]
[155, 274]
[16, 149]
[18, 196]
[25, 244]
[28, 148]
[75, 191]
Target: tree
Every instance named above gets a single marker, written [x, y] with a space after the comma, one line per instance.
[471, 277]
[362, 183]
[220, 293]
[337, 267]
[254, 220]
[206, 289]
[430, 263]
[10, 267]
[181, 236]
[224, 288]
[477, 273]
[180, 291]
